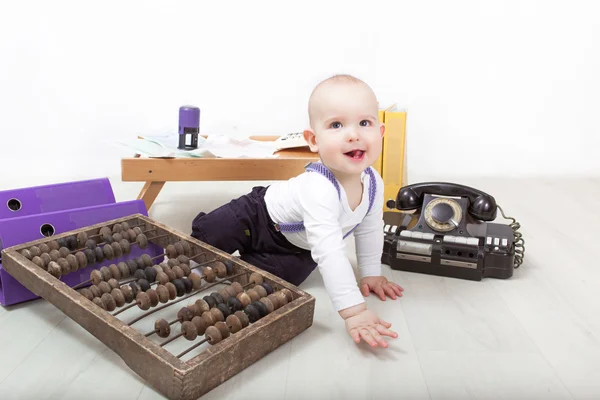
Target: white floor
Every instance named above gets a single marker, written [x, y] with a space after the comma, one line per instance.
[535, 336]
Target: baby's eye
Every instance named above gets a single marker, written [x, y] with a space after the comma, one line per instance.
[364, 122]
[336, 125]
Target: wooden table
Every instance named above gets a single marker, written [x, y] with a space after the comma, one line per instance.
[158, 171]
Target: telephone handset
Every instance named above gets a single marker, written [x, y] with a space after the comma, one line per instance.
[454, 234]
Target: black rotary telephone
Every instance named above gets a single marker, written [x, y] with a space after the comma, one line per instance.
[450, 233]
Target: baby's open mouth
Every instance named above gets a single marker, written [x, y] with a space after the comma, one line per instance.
[356, 154]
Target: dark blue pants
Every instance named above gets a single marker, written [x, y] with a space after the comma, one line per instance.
[244, 225]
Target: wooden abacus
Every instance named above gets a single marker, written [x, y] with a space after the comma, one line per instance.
[183, 351]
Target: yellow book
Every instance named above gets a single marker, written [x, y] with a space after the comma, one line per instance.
[394, 155]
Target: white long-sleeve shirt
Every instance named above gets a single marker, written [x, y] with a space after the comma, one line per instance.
[312, 199]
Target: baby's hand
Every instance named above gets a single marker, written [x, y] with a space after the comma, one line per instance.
[370, 328]
[380, 286]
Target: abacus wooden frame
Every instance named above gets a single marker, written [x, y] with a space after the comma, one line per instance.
[173, 377]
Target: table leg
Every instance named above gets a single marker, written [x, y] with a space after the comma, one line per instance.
[149, 192]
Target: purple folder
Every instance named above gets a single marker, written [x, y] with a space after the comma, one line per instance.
[15, 231]
[55, 197]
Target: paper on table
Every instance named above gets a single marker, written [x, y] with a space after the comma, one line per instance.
[211, 147]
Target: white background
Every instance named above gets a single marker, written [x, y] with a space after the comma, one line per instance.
[492, 88]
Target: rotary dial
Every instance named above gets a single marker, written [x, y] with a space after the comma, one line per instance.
[443, 214]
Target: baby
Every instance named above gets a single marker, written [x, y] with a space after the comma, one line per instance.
[289, 228]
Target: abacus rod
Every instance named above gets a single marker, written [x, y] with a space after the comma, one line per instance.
[193, 347]
[201, 289]
[156, 330]
[166, 342]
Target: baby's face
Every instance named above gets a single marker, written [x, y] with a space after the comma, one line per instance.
[346, 130]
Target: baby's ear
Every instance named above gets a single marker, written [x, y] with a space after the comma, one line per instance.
[311, 139]
[382, 129]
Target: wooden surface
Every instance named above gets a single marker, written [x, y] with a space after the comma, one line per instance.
[157, 171]
[535, 336]
[209, 365]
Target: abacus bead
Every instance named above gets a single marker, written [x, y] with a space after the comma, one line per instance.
[201, 306]
[87, 293]
[183, 259]
[53, 245]
[275, 300]
[107, 238]
[186, 269]
[243, 318]
[209, 274]
[108, 252]
[109, 302]
[193, 308]
[178, 248]
[45, 253]
[104, 287]
[117, 237]
[196, 281]
[162, 278]
[282, 298]
[180, 287]
[105, 230]
[150, 274]
[90, 255]
[138, 231]
[27, 254]
[153, 297]
[123, 270]
[157, 268]
[106, 274]
[189, 330]
[267, 287]
[99, 254]
[99, 303]
[118, 296]
[234, 304]
[256, 278]
[220, 269]
[260, 290]
[217, 314]
[65, 268]
[231, 291]
[63, 251]
[127, 292]
[178, 272]
[288, 294]
[163, 328]
[228, 266]
[139, 274]
[233, 323]
[95, 291]
[252, 312]
[46, 259]
[224, 309]
[224, 294]
[186, 247]
[147, 260]
[144, 284]
[253, 295]
[200, 324]
[209, 318]
[54, 269]
[172, 262]
[171, 252]
[172, 290]
[113, 283]
[237, 287]
[114, 271]
[213, 334]
[132, 265]
[72, 242]
[223, 329]
[44, 248]
[261, 307]
[90, 244]
[117, 250]
[82, 237]
[171, 275]
[143, 301]
[125, 246]
[135, 288]
[140, 263]
[62, 242]
[244, 298]
[185, 314]
[131, 235]
[82, 260]
[125, 225]
[117, 228]
[188, 284]
[142, 241]
[54, 255]
[210, 300]
[39, 262]
[217, 297]
[163, 293]
[268, 303]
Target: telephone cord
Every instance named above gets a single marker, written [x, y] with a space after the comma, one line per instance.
[519, 241]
